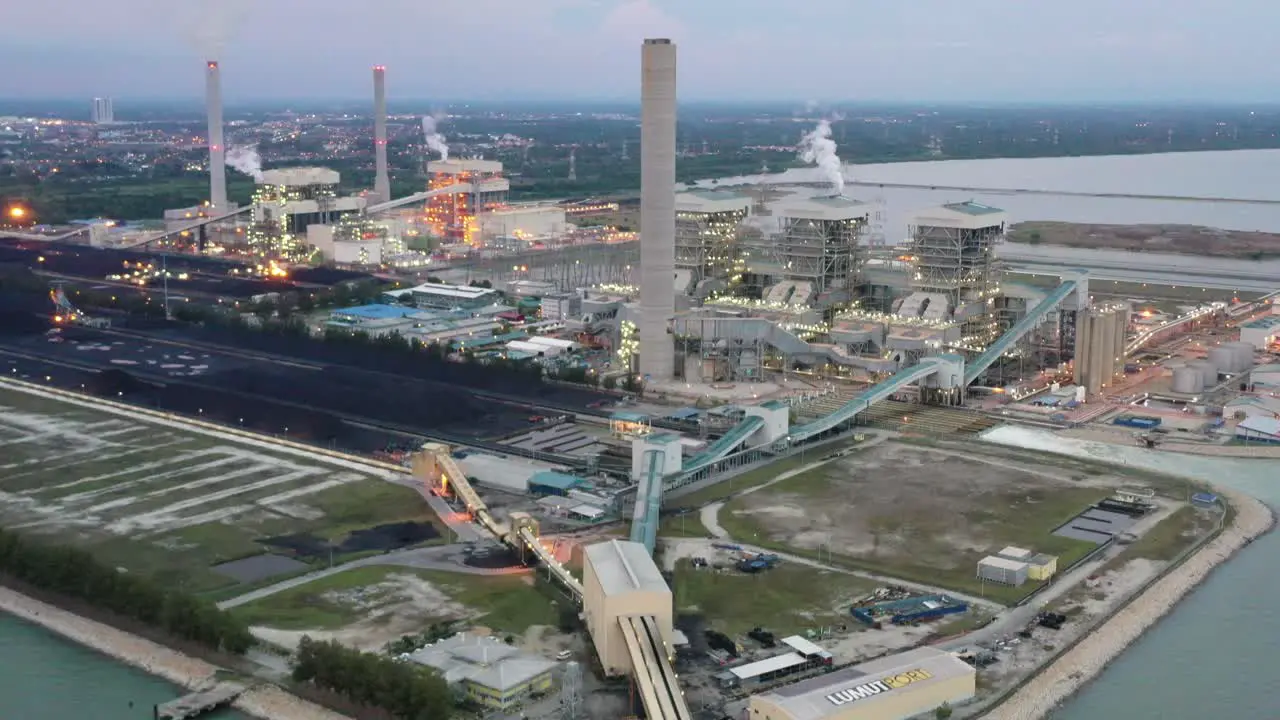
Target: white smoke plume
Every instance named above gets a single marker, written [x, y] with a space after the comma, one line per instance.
[435, 140]
[818, 148]
[246, 159]
[210, 24]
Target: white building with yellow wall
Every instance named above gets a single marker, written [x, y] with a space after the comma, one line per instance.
[891, 688]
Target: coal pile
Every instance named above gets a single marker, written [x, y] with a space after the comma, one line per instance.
[327, 276]
[382, 538]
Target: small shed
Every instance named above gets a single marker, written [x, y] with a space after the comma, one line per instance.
[996, 569]
[1041, 567]
[590, 513]
[1204, 500]
[549, 482]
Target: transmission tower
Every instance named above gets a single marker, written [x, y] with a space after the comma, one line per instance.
[573, 164]
[571, 692]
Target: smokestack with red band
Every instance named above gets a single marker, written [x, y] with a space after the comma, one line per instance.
[382, 181]
[657, 207]
[217, 150]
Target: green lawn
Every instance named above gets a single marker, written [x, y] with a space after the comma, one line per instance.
[786, 600]
[505, 603]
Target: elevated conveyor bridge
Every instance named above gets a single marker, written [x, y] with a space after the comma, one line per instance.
[974, 370]
[866, 399]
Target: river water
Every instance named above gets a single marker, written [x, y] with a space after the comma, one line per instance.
[1212, 657]
[45, 677]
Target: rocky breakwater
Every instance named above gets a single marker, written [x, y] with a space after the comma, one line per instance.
[267, 702]
[1044, 692]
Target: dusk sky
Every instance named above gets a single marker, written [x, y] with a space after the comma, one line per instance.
[821, 50]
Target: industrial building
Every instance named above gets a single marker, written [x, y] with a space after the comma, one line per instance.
[891, 688]
[1003, 571]
[101, 112]
[1262, 332]
[442, 296]
[524, 223]
[475, 186]
[1259, 429]
[620, 580]
[707, 223]
[1040, 566]
[289, 200]
[486, 670]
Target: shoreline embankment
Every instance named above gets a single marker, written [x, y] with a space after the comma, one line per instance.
[263, 701]
[1065, 676]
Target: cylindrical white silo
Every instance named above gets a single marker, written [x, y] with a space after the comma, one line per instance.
[1243, 353]
[1224, 359]
[1187, 380]
[1208, 371]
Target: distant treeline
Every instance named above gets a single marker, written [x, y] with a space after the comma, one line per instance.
[77, 574]
[405, 690]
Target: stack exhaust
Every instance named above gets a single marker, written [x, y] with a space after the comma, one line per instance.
[217, 150]
[657, 207]
[382, 181]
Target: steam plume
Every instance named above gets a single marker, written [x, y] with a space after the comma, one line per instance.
[435, 141]
[211, 23]
[818, 148]
[246, 159]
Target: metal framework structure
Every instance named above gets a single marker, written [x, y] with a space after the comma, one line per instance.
[568, 268]
[705, 242]
[958, 263]
[822, 252]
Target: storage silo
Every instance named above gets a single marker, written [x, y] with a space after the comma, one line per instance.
[1208, 371]
[1187, 380]
[1243, 353]
[1224, 358]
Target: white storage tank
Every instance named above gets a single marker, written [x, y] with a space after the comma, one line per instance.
[1188, 381]
[1208, 371]
[1224, 359]
[1243, 353]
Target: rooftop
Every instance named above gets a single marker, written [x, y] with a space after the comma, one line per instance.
[711, 201]
[454, 291]
[826, 695]
[560, 481]
[485, 661]
[1261, 425]
[1270, 322]
[822, 208]
[970, 207]
[1003, 563]
[376, 312]
[625, 567]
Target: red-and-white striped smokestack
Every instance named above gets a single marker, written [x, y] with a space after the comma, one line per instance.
[217, 150]
[382, 180]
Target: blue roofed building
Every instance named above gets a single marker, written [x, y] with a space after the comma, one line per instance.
[549, 482]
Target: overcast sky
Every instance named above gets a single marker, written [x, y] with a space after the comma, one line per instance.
[822, 50]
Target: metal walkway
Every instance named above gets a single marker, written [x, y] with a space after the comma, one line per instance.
[1051, 301]
[727, 443]
[645, 517]
[656, 683]
[865, 400]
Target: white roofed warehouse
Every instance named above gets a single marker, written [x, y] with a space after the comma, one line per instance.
[620, 580]
[891, 688]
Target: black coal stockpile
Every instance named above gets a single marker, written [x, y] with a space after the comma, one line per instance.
[326, 276]
[523, 383]
[20, 315]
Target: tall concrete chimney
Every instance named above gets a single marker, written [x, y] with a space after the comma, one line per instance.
[657, 207]
[382, 181]
[217, 151]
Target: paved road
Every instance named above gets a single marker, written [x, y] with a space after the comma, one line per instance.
[447, 558]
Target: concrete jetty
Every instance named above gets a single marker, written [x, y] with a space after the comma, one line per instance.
[199, 702]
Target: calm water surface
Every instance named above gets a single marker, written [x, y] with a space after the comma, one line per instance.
[45, 677]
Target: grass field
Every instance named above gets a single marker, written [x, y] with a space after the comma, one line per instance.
[913, 513]
[172, 502]
[786, 600]
[504, 603]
